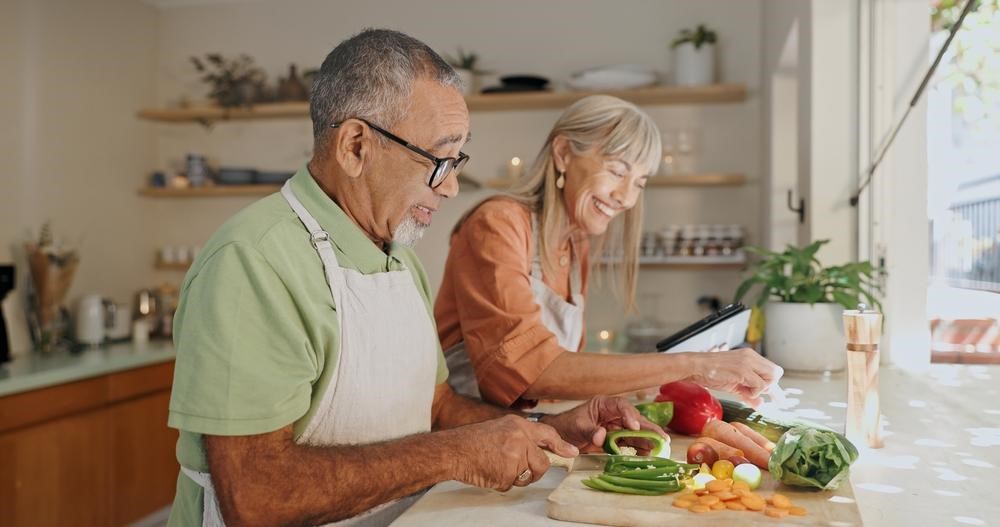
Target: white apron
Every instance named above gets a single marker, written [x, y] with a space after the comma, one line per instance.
[386, 367]
[564, 319]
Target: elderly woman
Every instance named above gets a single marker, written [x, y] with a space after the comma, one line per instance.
[510, 310]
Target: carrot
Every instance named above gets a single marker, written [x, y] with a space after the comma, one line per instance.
[700, 453]
[754, 435]
[725, 451]
[727, 434]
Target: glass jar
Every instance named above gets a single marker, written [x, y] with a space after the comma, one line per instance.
[196, 170]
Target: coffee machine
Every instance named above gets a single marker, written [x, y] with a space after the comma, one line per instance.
[6, 286]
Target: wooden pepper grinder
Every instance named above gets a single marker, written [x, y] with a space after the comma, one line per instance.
[863, 329]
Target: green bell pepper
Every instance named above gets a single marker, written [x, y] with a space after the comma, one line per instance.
[659, 413]
[655, 473]
[667, 485]
[659, 443]
[598, 484]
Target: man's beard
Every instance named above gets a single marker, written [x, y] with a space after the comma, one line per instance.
[408, 232]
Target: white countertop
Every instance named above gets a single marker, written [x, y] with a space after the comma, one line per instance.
[939, 466]
[35, 370]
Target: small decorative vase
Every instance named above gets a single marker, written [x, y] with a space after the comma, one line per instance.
[805, 337]
[694, 66]
[470, 81]
[292, 88]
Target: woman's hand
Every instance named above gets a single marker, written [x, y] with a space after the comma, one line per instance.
[741, 371]
[587, 425]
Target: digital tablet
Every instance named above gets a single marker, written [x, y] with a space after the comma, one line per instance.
[726, 327]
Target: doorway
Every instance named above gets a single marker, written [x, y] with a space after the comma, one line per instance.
[963, 198]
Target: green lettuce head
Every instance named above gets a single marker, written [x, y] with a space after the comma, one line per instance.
[807, 457]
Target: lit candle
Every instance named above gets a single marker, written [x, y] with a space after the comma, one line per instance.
[605, 337]
[514, 169]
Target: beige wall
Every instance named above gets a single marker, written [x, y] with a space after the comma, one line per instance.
[72, 151]
[552, 38]
[75, 72]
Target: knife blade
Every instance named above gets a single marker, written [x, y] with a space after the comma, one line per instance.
[580, 462]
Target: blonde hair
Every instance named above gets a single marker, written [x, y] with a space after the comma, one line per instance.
[615, 128]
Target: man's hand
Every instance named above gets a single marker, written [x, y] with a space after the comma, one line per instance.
[504, 452]
[742, 372]
[587, 425]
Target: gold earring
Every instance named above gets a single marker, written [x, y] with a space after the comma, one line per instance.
[561, 180]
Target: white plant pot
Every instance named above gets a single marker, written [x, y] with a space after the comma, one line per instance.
[694, 67]
[470, 80]
[804, 337]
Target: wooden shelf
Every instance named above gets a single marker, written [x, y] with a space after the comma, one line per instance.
[207, 113]
[692, 266]
[685, 266]
[211, 191]
[698, 263]
[714, 93]
[172, 266]
[698, 180]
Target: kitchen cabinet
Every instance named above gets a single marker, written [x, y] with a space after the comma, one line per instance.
[90, 452]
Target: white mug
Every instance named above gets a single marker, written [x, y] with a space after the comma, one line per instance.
[90, 319]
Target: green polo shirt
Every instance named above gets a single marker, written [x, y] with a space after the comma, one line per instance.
[256, 330]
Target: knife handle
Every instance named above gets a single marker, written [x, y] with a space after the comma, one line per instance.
[558, 461]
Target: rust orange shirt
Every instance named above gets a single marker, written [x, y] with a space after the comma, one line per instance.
[486, 300]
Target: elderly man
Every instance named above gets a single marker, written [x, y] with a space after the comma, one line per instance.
[309, 375]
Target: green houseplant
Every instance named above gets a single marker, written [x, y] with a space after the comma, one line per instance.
[466, 65]
[694, 56]
[233, 82]
[698, 37]
[796, 275]
[803, 303]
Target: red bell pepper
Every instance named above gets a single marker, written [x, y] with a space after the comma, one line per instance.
[693, 406]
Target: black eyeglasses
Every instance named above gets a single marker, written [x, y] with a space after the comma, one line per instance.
[443, 166]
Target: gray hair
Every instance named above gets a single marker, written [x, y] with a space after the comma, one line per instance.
[370, 76]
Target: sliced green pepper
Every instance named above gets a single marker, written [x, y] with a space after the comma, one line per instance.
[643, 484]
[598, 484]
[658, 441]
[651, 474]
[659, 413]
[618, 466]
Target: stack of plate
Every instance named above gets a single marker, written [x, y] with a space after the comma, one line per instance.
[620, 77]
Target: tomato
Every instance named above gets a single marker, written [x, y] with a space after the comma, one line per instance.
[723, 469]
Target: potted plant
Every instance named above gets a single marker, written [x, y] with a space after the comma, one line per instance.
[465, 65]
[235, 82]
[694, 56]
[803, 304]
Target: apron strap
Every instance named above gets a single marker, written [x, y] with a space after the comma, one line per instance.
[319, 238]
[211, 516]
[575, 284]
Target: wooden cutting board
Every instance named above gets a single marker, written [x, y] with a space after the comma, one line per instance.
[571, 501]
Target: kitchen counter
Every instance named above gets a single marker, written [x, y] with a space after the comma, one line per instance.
[34, 370]
[939, 465]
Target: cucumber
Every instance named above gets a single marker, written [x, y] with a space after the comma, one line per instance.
[770, 427]
[737, 412]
